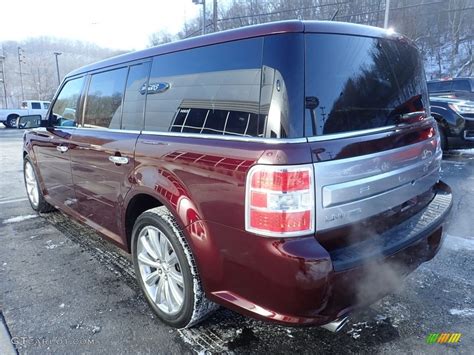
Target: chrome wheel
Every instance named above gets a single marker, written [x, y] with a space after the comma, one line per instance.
[160, 270]
[31, 184]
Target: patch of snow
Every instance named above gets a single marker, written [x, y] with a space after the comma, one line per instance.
[19, 218]
[458, 243]
[96, 329]
[51, 245]
[463, 151]
[62, 305]
[467, 312]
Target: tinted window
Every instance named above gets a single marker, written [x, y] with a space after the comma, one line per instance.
[440, 86]
[104, 99]
[66, 106]
[45, 105]
[36, 106]
[134, 99]
[361, 82]
[461, 85]
[282, 87]
[196, 90]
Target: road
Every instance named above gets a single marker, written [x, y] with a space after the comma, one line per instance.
[65, 290]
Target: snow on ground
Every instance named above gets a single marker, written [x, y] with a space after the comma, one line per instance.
[19, 218]
[458, 243]
[462, 151]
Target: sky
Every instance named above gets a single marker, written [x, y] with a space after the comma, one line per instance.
[120, 24]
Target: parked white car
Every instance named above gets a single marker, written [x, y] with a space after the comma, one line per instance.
[30, 107]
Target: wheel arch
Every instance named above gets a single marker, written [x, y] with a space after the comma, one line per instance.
[136, 205]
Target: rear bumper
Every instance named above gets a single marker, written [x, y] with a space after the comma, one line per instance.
[297, 281]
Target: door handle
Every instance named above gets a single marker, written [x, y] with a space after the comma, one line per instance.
[62, 148]
[118, 160]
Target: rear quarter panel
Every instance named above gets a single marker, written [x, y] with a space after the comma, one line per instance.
[202, 182]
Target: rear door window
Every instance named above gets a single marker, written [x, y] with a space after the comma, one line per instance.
[104, 99]
[361, 83]
[135, 95]
[36, 106]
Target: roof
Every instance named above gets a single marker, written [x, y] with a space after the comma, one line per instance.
[293, 26]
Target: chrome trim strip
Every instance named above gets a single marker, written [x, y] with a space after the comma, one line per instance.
[466, 138]
[229, 137]
[195, 135]
[364, 132]
[322, 138]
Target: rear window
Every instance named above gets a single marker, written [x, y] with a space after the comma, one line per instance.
[355, 83]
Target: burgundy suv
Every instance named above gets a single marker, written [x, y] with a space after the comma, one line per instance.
[287, 171]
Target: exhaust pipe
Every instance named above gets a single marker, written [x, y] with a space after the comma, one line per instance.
[336, 325]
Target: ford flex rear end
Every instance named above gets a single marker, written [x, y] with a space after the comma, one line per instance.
[288, 171]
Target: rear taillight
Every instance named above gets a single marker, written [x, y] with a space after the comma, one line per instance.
[280, 200]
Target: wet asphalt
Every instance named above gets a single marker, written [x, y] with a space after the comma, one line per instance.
[64, 290]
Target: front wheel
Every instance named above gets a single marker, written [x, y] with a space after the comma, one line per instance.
[11, 121]
[33, 190]
[166, 270]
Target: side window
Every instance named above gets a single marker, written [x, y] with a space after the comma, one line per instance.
[36, 106]
[282, 94]
[211, 90]
[66, 106]
[134, 99]
[45, 105]
[104, 99]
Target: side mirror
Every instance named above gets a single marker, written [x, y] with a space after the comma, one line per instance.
[29, 121]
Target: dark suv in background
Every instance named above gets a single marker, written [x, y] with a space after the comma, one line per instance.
[288, 171]
[455, 118]
[458, 88]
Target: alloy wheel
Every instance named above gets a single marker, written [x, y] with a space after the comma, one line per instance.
[160, 270]
[31, 184]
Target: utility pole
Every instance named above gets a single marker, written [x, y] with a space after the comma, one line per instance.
[203, 17]
[203, 3]
[57, 66]
[20, 60]
[387, 9]
[214, 15]
[2, 58]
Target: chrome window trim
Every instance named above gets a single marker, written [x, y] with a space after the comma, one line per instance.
[364, 132]
[323, 138]
[229, 137]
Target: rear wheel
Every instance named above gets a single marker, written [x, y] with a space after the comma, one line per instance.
[166, 270]
[33, 190]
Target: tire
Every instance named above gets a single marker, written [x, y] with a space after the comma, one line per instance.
[11, 121]
[443, 139]
[33, 190]
[156, 238]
